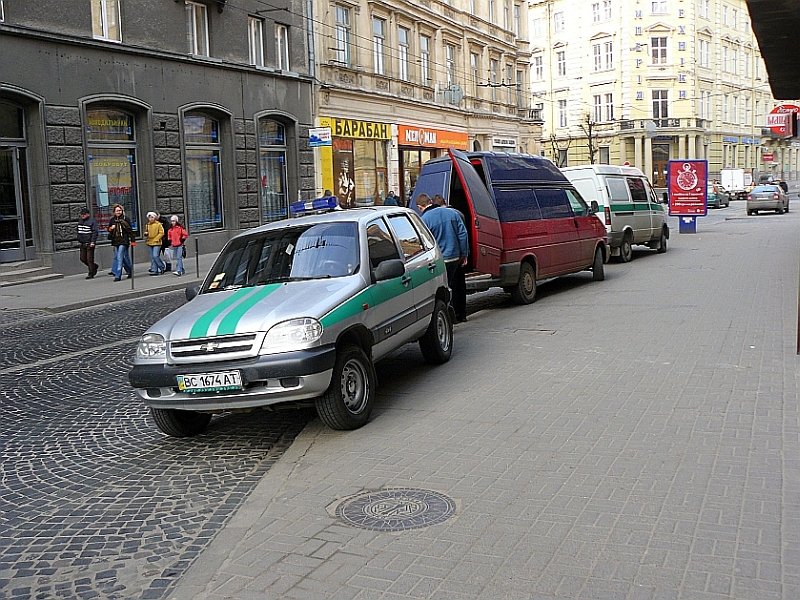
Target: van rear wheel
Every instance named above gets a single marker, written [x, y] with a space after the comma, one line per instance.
[626, 250]
[525, 290]
[662, 243]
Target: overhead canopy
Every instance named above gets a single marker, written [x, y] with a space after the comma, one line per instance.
[776, 24]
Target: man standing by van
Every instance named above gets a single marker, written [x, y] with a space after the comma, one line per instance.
[451, 235]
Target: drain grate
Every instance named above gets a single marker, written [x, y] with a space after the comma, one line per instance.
[396, 509]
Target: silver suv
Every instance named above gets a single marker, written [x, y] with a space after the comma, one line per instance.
[298, 310]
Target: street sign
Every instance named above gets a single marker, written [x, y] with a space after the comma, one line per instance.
[687, 184]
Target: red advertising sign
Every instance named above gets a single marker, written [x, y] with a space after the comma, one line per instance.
[779, 119]
[767, 157]
[687, 182]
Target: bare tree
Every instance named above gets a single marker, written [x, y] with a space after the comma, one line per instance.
[591, 138]
[556, 145]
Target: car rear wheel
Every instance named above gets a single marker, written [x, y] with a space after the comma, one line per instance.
[525, 290]
[348, 401]
[662, 243]
[180, 423]
[598, 268]
[626, 250]
[437, 343]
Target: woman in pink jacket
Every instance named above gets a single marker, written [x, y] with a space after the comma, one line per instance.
[177, 235]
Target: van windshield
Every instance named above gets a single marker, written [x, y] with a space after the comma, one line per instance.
[289, 254]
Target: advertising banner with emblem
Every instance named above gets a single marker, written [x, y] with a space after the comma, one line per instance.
[687, 182]
[428, 137]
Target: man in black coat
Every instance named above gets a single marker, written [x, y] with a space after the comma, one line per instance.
[87, 237]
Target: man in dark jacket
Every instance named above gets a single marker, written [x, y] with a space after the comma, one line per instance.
[87, 237]
[120, 233]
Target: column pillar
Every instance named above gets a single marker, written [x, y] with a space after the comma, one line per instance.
[692, 146]
[637, 153]
[623, 150]
[648, 158]
[682, 147]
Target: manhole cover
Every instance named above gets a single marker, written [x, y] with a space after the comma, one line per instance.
[396, 509]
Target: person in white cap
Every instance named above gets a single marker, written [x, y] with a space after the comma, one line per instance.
[154, 233]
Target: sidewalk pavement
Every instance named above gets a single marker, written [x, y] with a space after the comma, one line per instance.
[75, 291]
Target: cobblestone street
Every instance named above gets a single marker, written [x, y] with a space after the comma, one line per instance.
[94, 501]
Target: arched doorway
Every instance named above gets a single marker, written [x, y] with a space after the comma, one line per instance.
[16, 228]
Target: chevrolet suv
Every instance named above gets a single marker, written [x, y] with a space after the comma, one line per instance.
[298, 310]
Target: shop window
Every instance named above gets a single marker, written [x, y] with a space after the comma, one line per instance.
[111, 154]
[202, 152]
[272, 170]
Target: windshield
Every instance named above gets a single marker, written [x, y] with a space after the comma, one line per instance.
[290, 254]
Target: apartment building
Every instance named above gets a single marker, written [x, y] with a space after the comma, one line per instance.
[400, 82]
[644, 82]
[197, 108]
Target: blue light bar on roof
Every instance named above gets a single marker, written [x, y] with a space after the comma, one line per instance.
[307, 206]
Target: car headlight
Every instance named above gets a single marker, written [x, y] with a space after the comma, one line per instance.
[292, 335]
[152, 345]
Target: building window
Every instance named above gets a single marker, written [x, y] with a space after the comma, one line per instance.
[538, 68]
[202, 150]
[735, 110]
[509, 78]
[704, 48]
[562, 157]
[562, 113]
[282, 47]
[608, 107]
[2, 12]
[492, 9]
[342, 47]
[597, 59]
[660, 104]
[597, 108]
[272, 170]
[724, 59]
[561, 62]
[517, 19]
[402, 52]
[506, 14]
[494, 65]
[256, 39]
[519, 88]
[658, 7]
[735, 61]
[595, 12]
[705, 8]
[105, 20]
[425, 59]
[378, 44]
[538, 28]
[197, 28]
[111, 153]
[607, 10]
[658, 50]
[604, 156]
[747, 59]
[558, 22]
[475, 70]
[450, 63]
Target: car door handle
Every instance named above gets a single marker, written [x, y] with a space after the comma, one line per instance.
[405, 279]
[431, 266]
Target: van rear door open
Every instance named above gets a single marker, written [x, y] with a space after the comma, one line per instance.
[486, 237]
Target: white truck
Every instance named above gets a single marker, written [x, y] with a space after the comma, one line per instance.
[733, 180]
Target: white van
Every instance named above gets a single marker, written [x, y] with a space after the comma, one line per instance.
[629, 207]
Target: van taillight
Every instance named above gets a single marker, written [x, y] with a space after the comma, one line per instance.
[607, 212]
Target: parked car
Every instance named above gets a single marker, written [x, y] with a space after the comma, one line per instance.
[725, 194]
[717, 197]
[296, 310]
[629, 207]
[525, 220]
[767, 197]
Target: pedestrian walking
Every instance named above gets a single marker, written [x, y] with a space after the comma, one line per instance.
[176, 236]
[451, 236]
[154, 234]
[121, 235]
[165, 248]
[87, 237]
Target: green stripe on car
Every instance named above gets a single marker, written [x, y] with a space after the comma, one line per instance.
[228, 324]
[201, 326]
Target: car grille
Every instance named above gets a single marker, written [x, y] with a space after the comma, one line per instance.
[214, 348]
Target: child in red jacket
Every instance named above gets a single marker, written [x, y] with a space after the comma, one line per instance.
[177, 235]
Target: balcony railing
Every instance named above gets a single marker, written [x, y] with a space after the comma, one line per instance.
[674, 123]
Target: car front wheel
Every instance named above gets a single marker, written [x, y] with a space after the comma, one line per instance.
[598, 268]
[348, 401]
[437, 343]
[180, 423]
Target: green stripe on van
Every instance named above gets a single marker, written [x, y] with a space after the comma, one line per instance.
[200, 327]
[229, 323]
[631, 207]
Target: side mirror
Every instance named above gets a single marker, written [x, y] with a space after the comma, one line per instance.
[389, 269]
[594, 207]
[192, 291]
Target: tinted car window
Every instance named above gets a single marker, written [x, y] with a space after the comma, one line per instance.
[554, 204]
[521, 168]
[517, 205]
[380, 242]
[405, 232]
[637, 189]
[766, 189]
[579, 207]
[618, 189]
[435, 181]
[313, 252]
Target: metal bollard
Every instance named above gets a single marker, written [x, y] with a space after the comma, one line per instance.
[197, 256]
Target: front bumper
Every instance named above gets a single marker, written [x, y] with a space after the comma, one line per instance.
[266, 380]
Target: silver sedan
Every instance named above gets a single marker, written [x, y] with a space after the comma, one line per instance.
[767, 197]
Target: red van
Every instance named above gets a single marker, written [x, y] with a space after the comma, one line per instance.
[526, 221]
